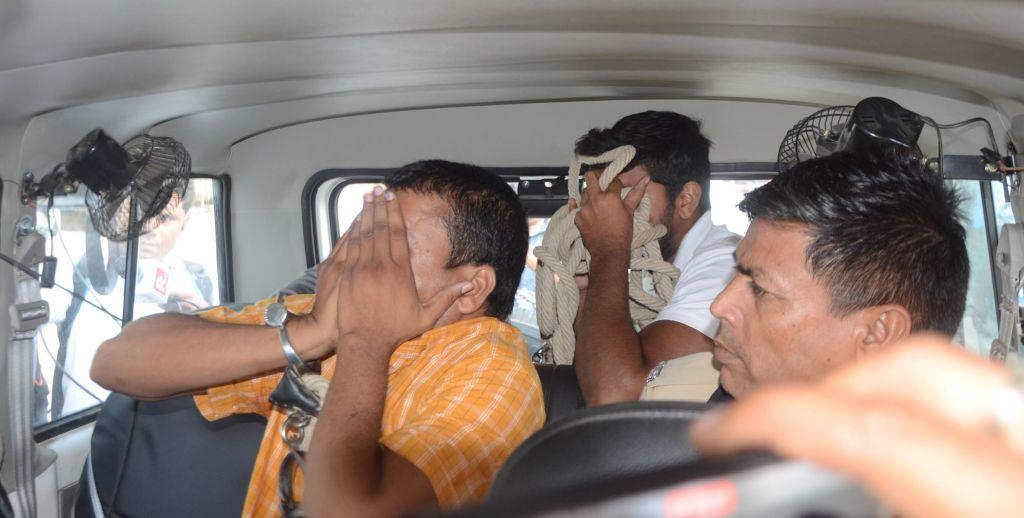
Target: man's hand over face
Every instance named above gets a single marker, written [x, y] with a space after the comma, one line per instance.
[324, 317]
[377, 299]
[605, 218]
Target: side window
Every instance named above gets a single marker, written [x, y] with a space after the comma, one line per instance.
[726, 195]
[91, 266]
[979, 325]
[179, 268]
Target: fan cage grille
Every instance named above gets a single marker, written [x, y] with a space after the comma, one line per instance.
[164, 169]
[807, 138]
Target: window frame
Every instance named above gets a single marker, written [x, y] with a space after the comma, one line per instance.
[222, 221]
[342, 177]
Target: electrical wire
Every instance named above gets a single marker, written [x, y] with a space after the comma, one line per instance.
[35, 275]
[988, 125]
[953, 125]
[60, 367]
[938, 135]
[67, 253]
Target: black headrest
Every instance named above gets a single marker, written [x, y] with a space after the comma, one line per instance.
[562, 395]
[163, 459]
[599, 444]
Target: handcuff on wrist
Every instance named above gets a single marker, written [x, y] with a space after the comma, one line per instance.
[276, 315]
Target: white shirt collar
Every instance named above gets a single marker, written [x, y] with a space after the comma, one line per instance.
[692, 240]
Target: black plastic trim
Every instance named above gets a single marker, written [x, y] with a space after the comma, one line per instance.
[65, 424]
[966, 167]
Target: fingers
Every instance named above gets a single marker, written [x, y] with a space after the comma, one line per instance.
[329, 267]
[767, 420]
[906, 374]
[366, 228]
[636, 194]
[358, 232]
[339, 251]
[901, 455]
[593, 185]
[399, 241]
[435, 308]
[615, 188]
[572, 204]
[381, 241]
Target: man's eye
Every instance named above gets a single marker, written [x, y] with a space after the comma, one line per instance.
[755, 289]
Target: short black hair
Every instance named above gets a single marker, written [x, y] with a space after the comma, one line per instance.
[670, 145]
[487, 224]
[883, 232]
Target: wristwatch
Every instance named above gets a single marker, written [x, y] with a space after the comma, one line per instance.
[276, 315]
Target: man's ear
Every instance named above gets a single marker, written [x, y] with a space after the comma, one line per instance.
[484, 280]
[688, 200]
[884, 326]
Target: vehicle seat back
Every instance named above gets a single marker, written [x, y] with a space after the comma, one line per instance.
[597, 445]
[163, 459]
[562, 395]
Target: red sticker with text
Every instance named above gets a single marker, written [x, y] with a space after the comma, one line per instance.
[160, 281]
[709, 500]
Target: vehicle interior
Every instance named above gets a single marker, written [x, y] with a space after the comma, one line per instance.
[290, 113]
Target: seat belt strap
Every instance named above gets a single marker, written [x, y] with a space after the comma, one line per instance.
[22, 447]
[27, 313]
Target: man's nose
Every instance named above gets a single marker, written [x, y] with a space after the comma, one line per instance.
[724, 306]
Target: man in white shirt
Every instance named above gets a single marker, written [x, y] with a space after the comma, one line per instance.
[614, 361]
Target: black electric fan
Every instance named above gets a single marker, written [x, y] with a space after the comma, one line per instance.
[876, 124]
[129, 185]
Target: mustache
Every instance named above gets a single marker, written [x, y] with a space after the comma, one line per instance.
[723, 337]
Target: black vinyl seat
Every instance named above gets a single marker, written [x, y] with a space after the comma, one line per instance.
[562, 395]
[163, 459]
[597, 445]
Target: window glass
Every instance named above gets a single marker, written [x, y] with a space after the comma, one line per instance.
[350, 202]
[89, 265]
[177, 270]
[177, 261]
[979, 326]
[725, 196]
[1004, 212]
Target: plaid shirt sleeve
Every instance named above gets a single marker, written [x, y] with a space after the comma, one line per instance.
[460, 437]
[250, 396]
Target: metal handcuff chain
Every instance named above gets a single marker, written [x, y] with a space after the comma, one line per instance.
[297, 429]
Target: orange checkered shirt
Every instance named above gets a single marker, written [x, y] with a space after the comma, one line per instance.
[460, 399]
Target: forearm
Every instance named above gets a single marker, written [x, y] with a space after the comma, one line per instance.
[345, 461]
[170, 354]
[609, 357]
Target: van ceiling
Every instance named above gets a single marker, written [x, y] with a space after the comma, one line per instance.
[216, 72]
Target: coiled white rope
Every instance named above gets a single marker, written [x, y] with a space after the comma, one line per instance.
[562, 256]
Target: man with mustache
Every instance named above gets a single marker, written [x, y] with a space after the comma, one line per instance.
[845, 255]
